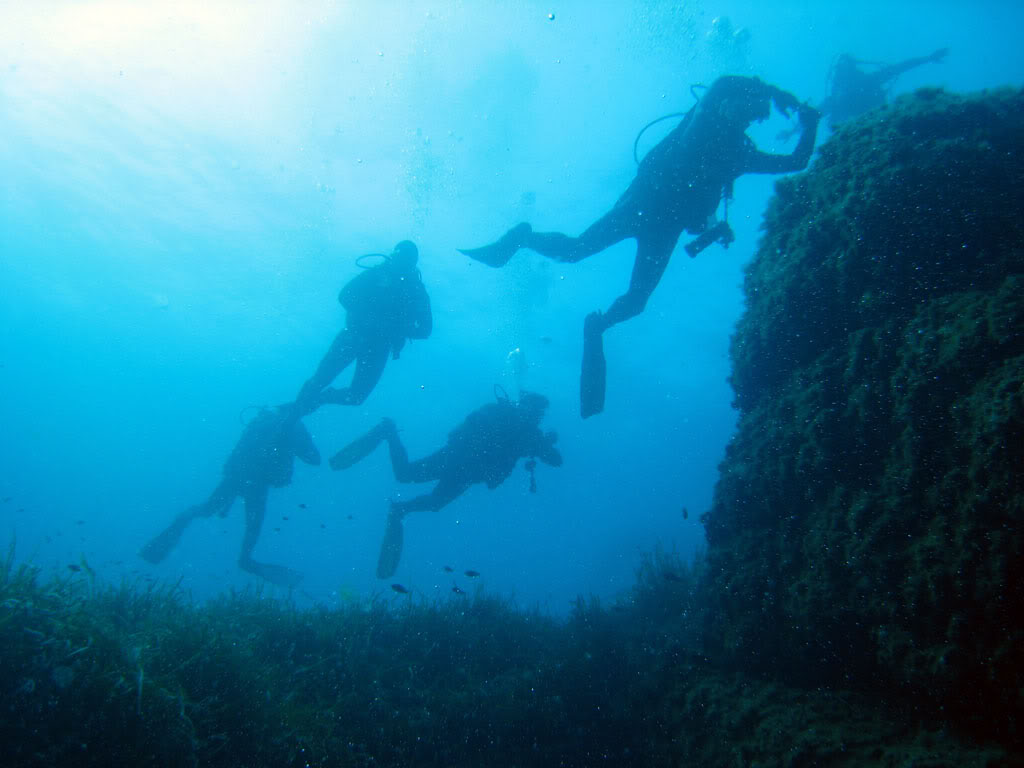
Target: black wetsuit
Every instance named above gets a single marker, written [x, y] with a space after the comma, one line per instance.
[384, 308]
[855, 91]
[677, 188]
[262, 459]
[485, 448]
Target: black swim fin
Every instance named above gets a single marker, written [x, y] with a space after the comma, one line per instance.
[498, 253]
[390, 547]
[161, 545]
[358, 449]
[592, 377]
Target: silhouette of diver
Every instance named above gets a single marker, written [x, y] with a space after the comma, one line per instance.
[854, 91]
[385, 305]
[677, 188]
[483, 449]
[262, 458]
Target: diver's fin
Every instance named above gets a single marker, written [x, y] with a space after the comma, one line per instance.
[498, 253]
[275, 574]
[390, 548]
[358, 449]
[161, 545]
[592, 377]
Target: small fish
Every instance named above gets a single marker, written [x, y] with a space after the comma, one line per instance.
[77, 522]
[400, 589]
[6, 499]
[686, 513]
[546, 339]
[302, 506]
[449, 569]
[322, 525]
[284, 517]
[472, 574]
[349, 517]
[278, 530]
[457, 591]
[75, 568]
[672, 576]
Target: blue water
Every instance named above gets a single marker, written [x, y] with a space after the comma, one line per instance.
[186, 188]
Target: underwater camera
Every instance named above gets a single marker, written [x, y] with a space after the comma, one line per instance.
[721, 233]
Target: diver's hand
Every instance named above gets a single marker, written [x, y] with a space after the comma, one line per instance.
[809, 116]
[784, 101]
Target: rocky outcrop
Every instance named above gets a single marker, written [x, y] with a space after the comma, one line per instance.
[867, 525]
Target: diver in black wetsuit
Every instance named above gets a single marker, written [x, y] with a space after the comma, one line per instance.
[385, 305]
[677, 188]
[855, 91]
[263, 458]
[485, 448]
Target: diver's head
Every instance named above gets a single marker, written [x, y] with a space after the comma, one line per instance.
[846, 73]
[738, 101]
[404, 256]
[845, 63]
[532, 404]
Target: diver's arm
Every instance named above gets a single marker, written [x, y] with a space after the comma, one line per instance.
[546, 450]
[422, 320]
[885, 74]
[303, 446]
[358, 293]
[764, 162]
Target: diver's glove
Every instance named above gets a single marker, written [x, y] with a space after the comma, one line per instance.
[809, 116]
[783, 100]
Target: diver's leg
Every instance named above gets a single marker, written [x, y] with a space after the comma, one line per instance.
[220, 501]
[445, 492]
[652, 257]
[614, 226]
[394, 536]
[369, 368]
[611, 228]
[255, 511]
[420, 471]
[340, 355]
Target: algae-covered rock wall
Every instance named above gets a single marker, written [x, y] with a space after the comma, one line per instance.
[866, 527]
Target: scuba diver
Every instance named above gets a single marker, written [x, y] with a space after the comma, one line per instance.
[385, 305]
[483, 449]
[853, 91]
[677, 188]
[263, 458]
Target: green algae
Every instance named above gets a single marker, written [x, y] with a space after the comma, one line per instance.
[138, 674]
[867, 522]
